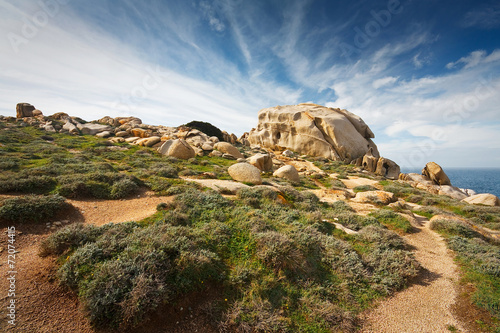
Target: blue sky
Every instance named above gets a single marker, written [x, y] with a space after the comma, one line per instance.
[424, 75]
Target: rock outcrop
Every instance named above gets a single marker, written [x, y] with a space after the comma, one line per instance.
[483, 199]
[436, 174]
[378, 165]
[24, 110]
[263, 162]
[227, 148]
[313, 130]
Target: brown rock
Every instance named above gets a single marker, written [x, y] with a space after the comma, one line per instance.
[483, 199]
[177, 148]
[263, 162]
[288, 172]
[313, 130]
[435, 173]
[141, 133]
[370, 161]
[375, 197]
[227, 148]
[24, 110]
[387, 168]
[246, 173]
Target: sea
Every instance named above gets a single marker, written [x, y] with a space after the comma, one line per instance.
[481, 180]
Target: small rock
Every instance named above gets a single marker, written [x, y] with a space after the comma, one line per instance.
[288, 172]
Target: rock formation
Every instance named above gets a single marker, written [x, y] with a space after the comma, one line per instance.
[24, 110]
[288, 172]
[435, 173]
[313, 130]
[483, 199]
[177, 148]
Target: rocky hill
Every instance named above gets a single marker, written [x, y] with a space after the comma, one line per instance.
[298, 225]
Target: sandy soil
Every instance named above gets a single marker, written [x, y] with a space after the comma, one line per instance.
[426, 306]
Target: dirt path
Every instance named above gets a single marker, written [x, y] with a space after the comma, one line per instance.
[41, 304]
[426, 306]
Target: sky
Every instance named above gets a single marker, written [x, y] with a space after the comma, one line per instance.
[424, 75]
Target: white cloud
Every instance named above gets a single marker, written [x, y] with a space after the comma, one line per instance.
[487, 17]
[476, 58]
[389, 80]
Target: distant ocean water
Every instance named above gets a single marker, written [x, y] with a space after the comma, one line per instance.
[481, 180]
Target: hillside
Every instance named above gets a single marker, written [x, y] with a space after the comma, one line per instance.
[201, 241]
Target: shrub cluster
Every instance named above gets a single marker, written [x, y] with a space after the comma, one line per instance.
[31, 208]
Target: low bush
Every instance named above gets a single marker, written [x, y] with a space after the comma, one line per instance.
[364, 188]
[392, 220]
[31, 208]
[453, 228]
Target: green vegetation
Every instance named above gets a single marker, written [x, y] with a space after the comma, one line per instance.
[479, 260]
[392, 220]
[31, 208]
[278, 264]
[206, 128]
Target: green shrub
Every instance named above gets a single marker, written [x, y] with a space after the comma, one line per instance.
[31, 208]
[69, 237]
[392, 220]
[453, 228]
[30, 184]
[123, 188]
[364, 188]
[206, 128]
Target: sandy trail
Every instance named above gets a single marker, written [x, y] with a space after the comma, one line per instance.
[42, 305]
[426, 306]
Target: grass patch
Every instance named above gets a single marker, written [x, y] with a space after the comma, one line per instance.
[392, 220]
[31, 208]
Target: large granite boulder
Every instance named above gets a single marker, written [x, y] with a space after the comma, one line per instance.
[288, 172]
[388, 168]
[246, 173]
[24, 110]
[177, 148]
[483, 199]
[314, 130]
[263, 162]
[435, 173]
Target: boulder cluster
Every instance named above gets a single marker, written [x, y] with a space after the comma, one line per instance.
[434, 180]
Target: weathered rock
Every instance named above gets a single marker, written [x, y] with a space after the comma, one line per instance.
[177, 148]
[435, 173]
[227, 148]
[452, 192]
[263, 162]
[131, 140]
[49, 128]
[382, 197]
[93, 129]
[71, 128]
[116, 140]
[246, 173]
[60, 116]
[208, 146]
[468, 191]
[229, 157]
[196, 138]
[141, 133]
[416, 178]
[313, 130]
[37, 113]
[109, 121]
[387, 168]
[121, 134]
[483, 199]
[214, 139]
[370, 161]
[105, 134]
[288, 172]
[131, 121]
[24, 110]
[150, 142]
[215, 153]
[288, 153]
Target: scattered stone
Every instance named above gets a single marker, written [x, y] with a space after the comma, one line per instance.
[93, 129]
[263, 162]
[132, 139]
[288, 172]
[215, 153]
[246, 173]
[228, 156]
[214, 139]
[227, 148]
[105, 134]
[177, 148]
[288, 153]
[207, 146]
[483, 199]
[121, 134]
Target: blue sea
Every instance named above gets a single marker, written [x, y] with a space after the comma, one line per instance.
[481, 180]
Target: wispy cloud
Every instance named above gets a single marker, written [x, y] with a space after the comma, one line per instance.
[475, 58]
[486, 17]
